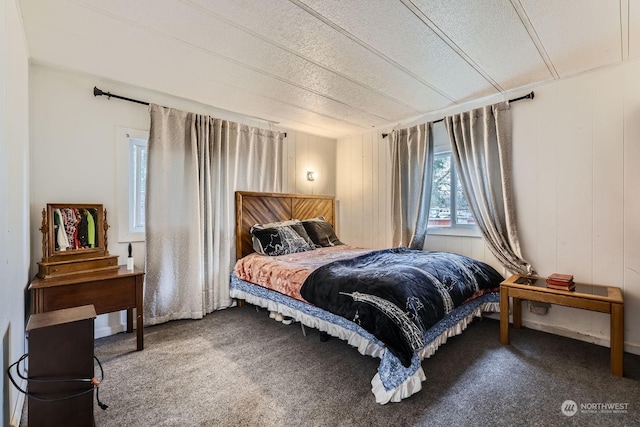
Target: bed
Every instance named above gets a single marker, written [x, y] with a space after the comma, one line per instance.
[318, 291]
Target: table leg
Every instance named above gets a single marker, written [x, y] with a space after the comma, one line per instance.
[504, 315]
[139, 314]
[129, 320]
[617, 339]
[517, 312]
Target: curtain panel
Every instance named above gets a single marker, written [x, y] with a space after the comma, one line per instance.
[195, 165]
[481, 149]
[412, 177]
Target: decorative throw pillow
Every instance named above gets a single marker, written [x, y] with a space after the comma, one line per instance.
[321, 232]
[277, 224]
[279, 240]
[299, 228]
[293, 223]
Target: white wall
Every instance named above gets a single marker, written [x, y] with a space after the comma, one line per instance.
[363, 190]
[73, 155]
[304, 153]
[576, 157]
[14, 200]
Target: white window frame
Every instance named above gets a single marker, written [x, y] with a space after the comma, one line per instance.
[128, 184]
[462, 230]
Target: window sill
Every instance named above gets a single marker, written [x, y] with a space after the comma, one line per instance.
[131, 237]
[455, 231]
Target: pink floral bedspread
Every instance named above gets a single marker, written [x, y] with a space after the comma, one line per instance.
[287, 273]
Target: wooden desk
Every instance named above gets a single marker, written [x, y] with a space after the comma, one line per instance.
[604, 299]
[108, 292]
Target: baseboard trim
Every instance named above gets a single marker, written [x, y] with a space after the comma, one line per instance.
[109, 330]
[605, 342]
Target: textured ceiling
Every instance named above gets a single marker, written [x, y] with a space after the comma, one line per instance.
[331, 67]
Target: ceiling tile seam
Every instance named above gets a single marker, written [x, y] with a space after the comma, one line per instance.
[281, 120]
[282, 123]
[290, 104]
[370, 48]
[533, 34]
[624, 29]
[306, 89]
[273, 76]
[284, 120]
[299, 55]
[452, 45]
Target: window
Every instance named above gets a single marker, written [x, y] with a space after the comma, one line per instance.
[449, 207]
[137, 183]
[131, 149]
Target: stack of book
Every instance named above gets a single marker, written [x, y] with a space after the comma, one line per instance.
[561, 281]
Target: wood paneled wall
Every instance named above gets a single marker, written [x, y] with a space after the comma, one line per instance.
[304, 152]
[576, 153]
[364, 198]
[363, 190]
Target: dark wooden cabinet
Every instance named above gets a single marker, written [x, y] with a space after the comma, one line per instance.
[61, 350]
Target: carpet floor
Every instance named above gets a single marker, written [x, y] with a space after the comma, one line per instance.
[237, 367]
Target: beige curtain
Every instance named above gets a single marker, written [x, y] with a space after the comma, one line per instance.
[481, 149]
[412, 177]
[195, 165]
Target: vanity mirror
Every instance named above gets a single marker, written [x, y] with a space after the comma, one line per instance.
[74, 240]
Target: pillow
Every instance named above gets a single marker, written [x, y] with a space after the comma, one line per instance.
[294, 223]
[279, 240]
[299, 228]
[276, 224]
[321, 232]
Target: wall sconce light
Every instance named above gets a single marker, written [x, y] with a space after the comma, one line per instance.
[311, 176]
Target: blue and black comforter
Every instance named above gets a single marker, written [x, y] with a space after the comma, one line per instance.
[398, 294]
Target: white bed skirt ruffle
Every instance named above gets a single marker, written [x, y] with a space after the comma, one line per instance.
[413, 384]
[363, 345]
[365, 342]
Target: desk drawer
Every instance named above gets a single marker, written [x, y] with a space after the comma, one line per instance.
[105, 295]
[77, 267]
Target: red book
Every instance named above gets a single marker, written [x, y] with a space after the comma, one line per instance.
[558, 282]
[569, 287]
[561, 277]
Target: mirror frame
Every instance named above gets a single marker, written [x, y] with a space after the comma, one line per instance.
[49, 252]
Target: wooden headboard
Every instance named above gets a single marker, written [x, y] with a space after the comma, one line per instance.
[260, 208]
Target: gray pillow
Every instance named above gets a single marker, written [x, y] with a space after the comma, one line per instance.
[321, 232]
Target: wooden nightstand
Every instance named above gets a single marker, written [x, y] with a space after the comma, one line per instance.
[604, 299]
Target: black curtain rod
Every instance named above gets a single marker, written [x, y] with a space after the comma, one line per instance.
[527, 96]
[98, 92]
